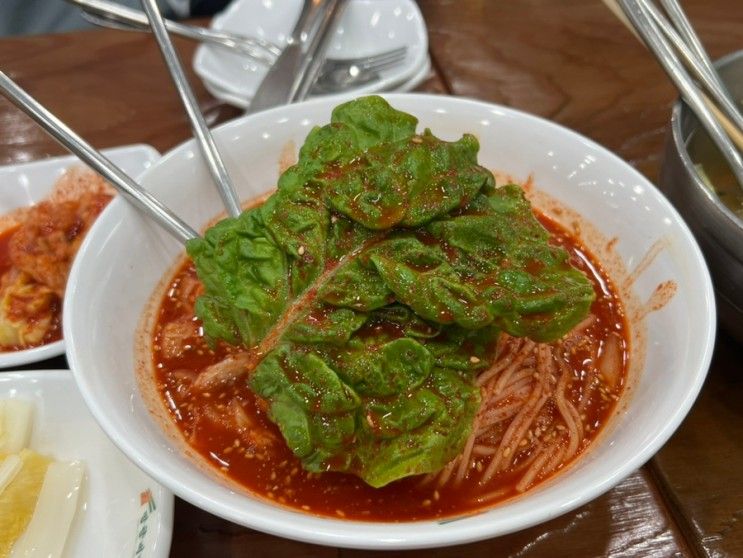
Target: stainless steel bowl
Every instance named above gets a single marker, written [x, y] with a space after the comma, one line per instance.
[717, 229]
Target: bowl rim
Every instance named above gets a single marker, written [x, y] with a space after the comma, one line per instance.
[9, 359]
[680, 108]
[378, 535]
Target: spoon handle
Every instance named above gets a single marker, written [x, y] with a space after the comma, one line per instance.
[258, 48]
[200, 130]
[132, 191]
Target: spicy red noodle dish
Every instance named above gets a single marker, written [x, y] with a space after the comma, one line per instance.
[391, 335]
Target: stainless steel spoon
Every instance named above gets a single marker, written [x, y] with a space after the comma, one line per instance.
[113, 14]
[644, 23]
[132, 192]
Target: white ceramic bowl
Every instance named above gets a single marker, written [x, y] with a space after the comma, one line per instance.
[125, 256]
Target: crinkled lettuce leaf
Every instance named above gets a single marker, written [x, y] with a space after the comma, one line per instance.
[380, 406]
[382, 271]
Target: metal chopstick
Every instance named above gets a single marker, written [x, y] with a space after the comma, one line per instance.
[132, 191]
[704, 71]
[643, 22]
[201, 131]
[324, 35]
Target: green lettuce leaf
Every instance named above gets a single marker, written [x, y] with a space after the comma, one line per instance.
[382, 414]
[383, 268]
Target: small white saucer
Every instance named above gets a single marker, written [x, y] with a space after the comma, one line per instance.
[367, 27]
[26, 184]
[243, 103]
[122, 511]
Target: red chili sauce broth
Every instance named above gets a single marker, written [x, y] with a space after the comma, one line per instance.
[272, 471]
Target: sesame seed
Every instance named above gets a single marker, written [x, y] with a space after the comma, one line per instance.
[426, 503]
[301, 250]
[340, 513]
[507, 452]
[417, 139]
[436, 495]
[474, 359]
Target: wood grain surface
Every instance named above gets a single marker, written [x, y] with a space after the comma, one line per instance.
[568, 61]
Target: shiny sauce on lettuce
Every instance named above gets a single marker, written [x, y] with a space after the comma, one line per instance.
[232, 429]
[322, 349]
[370, 290]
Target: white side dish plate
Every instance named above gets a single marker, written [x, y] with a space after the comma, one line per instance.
[367, 27]
[121, 511]
[26, 184]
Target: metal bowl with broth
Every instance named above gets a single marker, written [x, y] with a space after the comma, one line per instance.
[696, 178]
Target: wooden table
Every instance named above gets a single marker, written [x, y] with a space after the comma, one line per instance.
[568, 61]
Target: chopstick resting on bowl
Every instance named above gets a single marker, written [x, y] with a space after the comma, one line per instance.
[724, 123]
[132, 192]
[203, 136]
